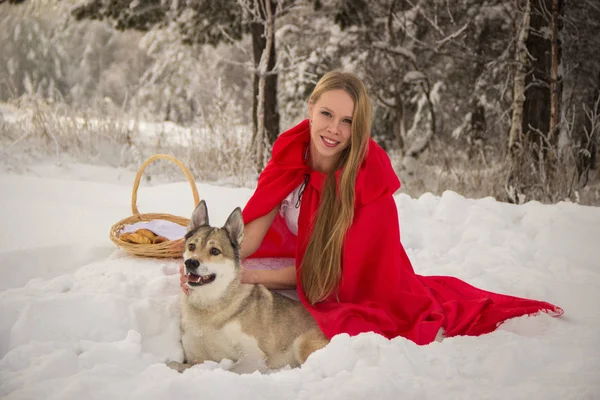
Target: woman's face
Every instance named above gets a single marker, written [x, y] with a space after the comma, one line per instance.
[331, 127]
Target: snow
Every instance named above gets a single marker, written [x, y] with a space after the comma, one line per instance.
[80, 319]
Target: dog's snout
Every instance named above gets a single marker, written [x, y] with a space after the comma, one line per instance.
[191, 263]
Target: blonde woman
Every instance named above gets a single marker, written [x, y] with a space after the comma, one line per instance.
[325, 200]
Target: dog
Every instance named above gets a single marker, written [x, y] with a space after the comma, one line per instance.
[223, 318]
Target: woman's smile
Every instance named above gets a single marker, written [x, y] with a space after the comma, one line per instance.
[329, 142]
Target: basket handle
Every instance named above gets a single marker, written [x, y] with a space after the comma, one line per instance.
[138, 177]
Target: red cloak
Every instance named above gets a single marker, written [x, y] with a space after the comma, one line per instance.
[379, 291]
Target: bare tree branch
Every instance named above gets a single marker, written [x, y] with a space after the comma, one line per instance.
[452, 36]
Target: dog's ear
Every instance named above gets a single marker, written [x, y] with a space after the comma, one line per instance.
[235, 226]
[199, 217]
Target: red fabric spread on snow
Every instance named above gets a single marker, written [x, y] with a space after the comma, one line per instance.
[379, 290]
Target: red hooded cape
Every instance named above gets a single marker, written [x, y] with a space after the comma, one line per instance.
[379, 291]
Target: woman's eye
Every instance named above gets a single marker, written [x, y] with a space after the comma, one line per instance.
[214, 251]
[348, 121]
[191, 247]
[326, 113]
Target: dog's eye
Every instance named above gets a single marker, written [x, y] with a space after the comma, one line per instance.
[214, 251]
[191, 247]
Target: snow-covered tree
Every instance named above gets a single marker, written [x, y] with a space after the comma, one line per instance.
[30, 64]
[580, 70]
[210, 22]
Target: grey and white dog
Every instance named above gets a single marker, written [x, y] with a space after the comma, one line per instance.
[223, 318]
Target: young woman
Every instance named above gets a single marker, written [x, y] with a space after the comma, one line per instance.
[325, 199]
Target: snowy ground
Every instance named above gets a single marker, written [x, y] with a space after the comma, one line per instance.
[82, 320]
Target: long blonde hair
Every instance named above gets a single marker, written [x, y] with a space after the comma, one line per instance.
[321, 268]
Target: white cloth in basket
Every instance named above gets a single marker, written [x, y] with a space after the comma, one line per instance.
[160, 227]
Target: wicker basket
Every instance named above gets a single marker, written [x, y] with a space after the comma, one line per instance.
[168, 249]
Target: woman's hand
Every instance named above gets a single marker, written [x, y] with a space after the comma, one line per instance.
[282, 278]
[183, 281]
[249, 276]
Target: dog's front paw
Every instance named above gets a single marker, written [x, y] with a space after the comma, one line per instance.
[177, 366]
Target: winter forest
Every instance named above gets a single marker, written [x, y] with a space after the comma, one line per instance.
[488, 109]
[493, 98]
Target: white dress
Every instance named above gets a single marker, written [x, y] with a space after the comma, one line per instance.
[290, 209]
